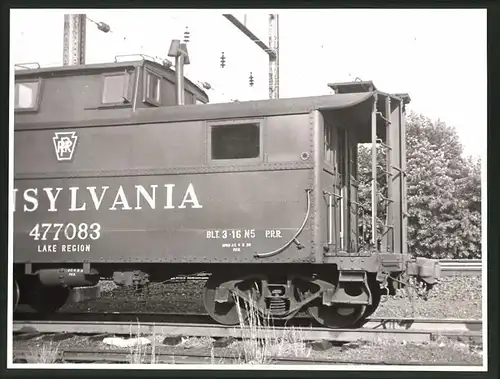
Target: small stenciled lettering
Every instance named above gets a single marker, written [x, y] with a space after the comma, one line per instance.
[273, 233]
[66, 248]
[238, 238]
[47, 248]
[236, 247]
[75, 248]
[213, 234]
[230, 233]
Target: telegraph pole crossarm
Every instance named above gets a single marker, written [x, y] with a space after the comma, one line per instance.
[249, 34]
[272, 50]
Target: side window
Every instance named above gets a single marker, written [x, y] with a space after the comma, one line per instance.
[27, 95]
[152, 93]
[115, 89]
[235, 141]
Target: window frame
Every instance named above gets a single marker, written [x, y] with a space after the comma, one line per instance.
[260, 122]
[145, 87]
[36, 102]
[127, 89]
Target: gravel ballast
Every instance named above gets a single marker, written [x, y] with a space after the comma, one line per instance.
[454, 297]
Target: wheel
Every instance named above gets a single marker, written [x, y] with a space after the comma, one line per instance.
[16, 295]
[376, 293]
[48, 299]
[232, 312]
[223, 313]
[335, 316]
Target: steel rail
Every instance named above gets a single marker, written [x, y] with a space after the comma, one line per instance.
[375, 331]
[120, 356]
[463, 267]
[200, 318]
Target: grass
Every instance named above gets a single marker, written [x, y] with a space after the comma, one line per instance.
[47, 353]
[139, 353]
[262, 342]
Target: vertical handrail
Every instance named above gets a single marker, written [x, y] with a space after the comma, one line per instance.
[374, 172]
[330, 220]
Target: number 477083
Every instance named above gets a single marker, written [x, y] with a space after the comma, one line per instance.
[69, 231]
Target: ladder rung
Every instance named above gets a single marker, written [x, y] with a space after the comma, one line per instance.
[379, 140]
[383, 170]
[386, 229]
[332, 194]
[383, 118]
[385, 198]
[399, 169]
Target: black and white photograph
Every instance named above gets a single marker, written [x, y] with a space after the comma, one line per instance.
[249, 189]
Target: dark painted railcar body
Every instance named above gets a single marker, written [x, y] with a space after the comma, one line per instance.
[268, 187]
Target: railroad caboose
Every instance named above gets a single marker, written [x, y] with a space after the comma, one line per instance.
[115, 179]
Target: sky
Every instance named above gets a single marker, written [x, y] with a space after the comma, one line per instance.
[437, 56]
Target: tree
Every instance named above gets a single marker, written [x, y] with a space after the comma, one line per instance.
[443, 191]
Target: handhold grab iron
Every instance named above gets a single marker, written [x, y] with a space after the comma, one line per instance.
[294, 238]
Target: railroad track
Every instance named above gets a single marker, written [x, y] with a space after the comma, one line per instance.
[202, 357]
[375, 330]
[205, 319]
[464, 267]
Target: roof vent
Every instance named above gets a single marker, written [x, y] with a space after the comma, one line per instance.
[353, 87]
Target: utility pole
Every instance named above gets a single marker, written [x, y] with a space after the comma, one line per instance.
[274, 72]
[74, 39]
[272, 50]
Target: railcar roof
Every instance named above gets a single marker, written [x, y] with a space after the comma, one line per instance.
[257, 108]
[76, 69]
[225, 111]
[82, 67]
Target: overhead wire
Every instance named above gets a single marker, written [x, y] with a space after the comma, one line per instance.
[186, 39]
